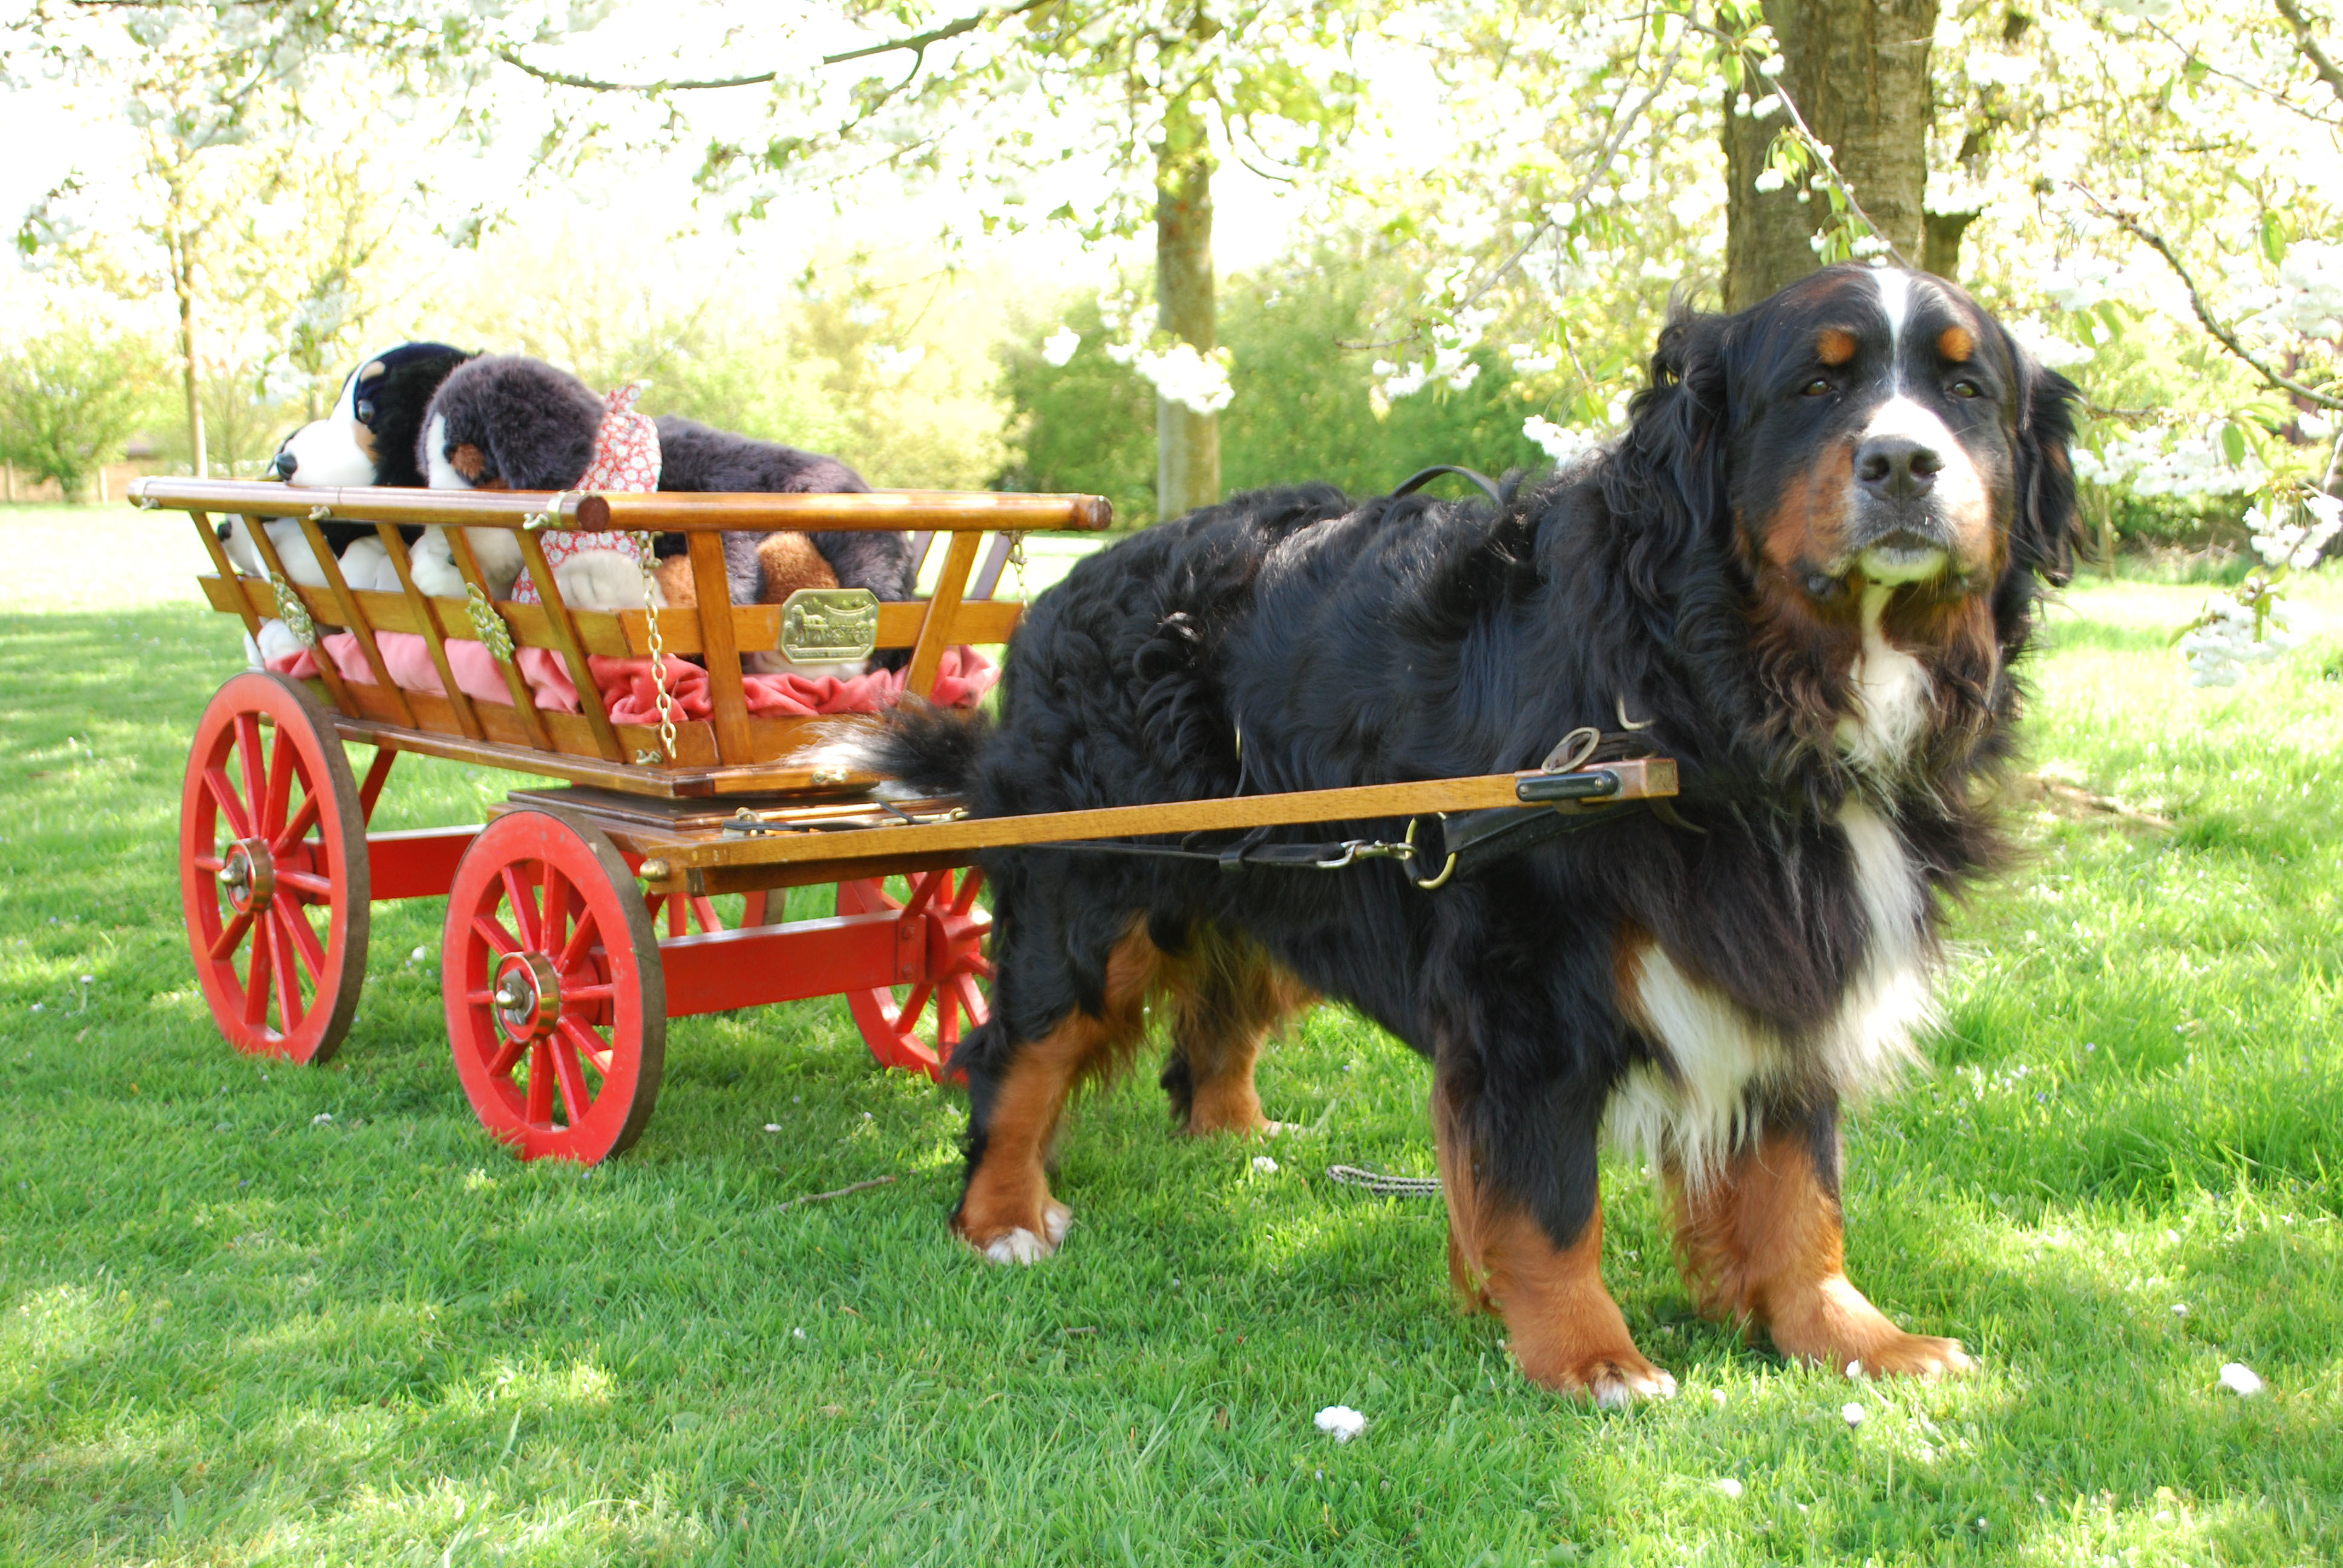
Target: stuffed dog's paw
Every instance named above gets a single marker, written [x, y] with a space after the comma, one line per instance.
[601, 579]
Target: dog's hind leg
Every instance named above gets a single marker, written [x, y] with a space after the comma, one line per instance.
[1763, 1243]
[1227, 997]
[1016, 1097]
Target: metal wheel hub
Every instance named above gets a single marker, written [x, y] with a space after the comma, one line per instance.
[527, 996]
[247, 875]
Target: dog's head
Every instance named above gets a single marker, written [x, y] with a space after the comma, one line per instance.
[508, 422]
[1863, 427]
[369, 436]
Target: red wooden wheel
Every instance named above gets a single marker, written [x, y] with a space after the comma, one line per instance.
[557, 1004]
[945, 928]
[273, 870]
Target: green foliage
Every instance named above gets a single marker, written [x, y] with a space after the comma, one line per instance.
[1302, 409]
[69, 399]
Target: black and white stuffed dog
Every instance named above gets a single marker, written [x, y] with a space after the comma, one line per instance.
[369, 438]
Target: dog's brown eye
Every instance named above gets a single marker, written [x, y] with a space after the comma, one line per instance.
[1968, 389]
[1818, 387]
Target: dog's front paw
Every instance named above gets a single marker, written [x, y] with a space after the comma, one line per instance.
[1021, 1243]
[1613, 1379]
[1912, 1355]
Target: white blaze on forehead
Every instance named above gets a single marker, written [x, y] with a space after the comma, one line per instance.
[326, 451]
[1895, 298]
[438, 472]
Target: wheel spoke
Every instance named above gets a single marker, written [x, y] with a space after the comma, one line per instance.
[971, 1001]
[209, 863]
[604, 993]
[320, 889]
[973, 884]
[231, 806]
[500, 1065]
[306, 946]
[575, 1098]
[923, 893]
[581, 943]
[288, 979]
[298, 829]
[524, 907]
[947, 1016]
[284, 763]
[247, 746]
[540, 1082]
[256, 984]
[908, 1017]
[491, 931]
[230, 935]
[555, 922]
[588, 1045]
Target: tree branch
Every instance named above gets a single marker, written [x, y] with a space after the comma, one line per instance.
[2292, 11]
[917, 43]
[2221, 334]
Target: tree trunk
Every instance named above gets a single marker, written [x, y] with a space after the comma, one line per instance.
[183, 279]
[1858, 72]
[1187, 444]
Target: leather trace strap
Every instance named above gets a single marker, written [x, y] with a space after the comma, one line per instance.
[1423, 476]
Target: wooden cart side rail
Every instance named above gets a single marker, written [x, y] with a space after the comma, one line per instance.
[664, 511]
[1643, 779]
[624, 635]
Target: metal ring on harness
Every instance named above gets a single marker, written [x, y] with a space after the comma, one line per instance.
[1423, 476]
[1446, 871]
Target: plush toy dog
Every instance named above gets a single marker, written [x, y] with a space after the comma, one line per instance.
[369, 439]
[508, 422]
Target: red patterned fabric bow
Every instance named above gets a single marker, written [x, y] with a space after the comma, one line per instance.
[625, 459]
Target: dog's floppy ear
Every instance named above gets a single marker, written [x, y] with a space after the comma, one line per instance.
[1667, 482]
[2048, 528]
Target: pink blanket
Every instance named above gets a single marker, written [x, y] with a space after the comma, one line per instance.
[627, 691]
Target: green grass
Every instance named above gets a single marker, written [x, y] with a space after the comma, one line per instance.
[232, 1333]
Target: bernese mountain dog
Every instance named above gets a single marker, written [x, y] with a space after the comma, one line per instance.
[1806, 569]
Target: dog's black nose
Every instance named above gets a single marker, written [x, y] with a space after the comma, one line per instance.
[1897, 467]
[284, 464]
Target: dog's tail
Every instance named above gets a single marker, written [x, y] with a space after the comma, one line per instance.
[922, 751]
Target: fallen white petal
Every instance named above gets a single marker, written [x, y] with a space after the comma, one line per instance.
[2180, 1309]
[418, 956]
[1855, 1369]
[1340, 1422]
[1717, 1394]
[2240, 1380]
[1853, 1413]
[1267, 1167]
[321, 1119]
[1730, 1487]
[772, 1127]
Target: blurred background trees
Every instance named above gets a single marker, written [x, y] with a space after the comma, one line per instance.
[970, 247]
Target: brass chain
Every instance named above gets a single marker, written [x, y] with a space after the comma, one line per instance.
[658, 653]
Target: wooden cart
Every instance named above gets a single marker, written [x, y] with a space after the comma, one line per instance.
[580, 916]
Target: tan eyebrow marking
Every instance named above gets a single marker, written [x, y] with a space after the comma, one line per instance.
[1956, 344]
[1836, 346]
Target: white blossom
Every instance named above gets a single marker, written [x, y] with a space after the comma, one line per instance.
[1180, 374]
[2296, 545]
[1340, 1422]
[1059, 346]
[1769, 180]
[2236, 1376]
[1562, 443]
[894, 362]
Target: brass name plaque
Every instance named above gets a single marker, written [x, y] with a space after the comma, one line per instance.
[829, 626]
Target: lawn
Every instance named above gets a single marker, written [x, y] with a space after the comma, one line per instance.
[258, 1314]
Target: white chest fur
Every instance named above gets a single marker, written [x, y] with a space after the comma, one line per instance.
[1720, 1062]
[1892, 696]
